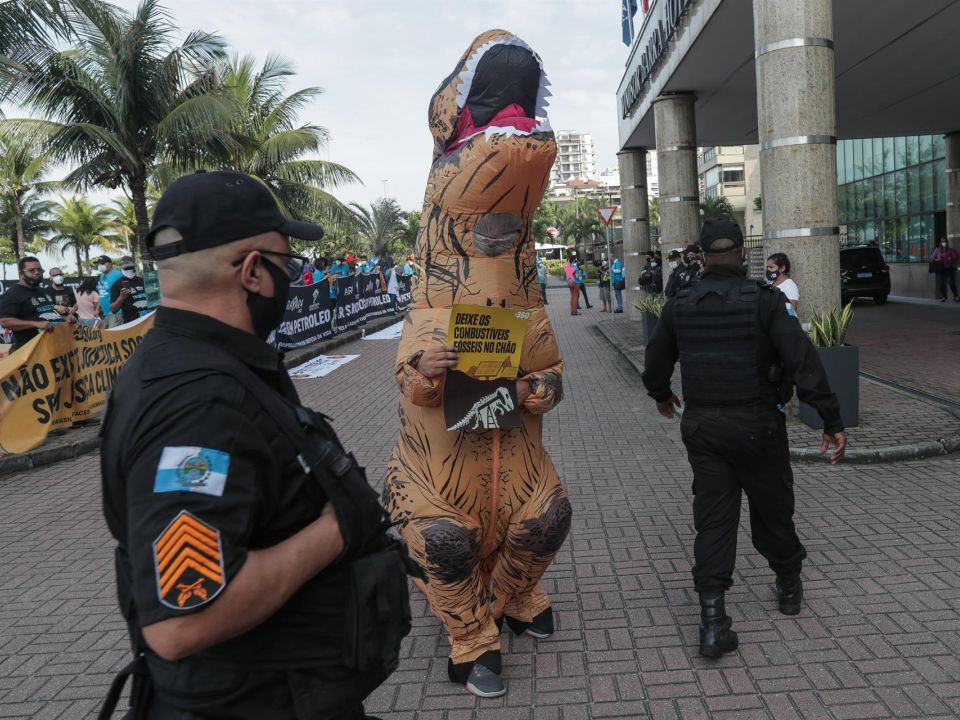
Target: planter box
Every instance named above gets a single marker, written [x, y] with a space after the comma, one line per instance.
[843, 373]
[649, 324]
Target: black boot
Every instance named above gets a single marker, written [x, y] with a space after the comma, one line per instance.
[716, 637]
[789, 594]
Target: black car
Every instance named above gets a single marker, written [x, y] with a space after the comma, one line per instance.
[863, 273]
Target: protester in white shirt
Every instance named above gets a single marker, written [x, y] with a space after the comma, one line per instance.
[778, 275]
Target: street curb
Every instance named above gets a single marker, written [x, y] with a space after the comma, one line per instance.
[54, 453]
[855, 456]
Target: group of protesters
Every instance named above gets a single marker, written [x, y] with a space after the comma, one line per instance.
[114, 297]
[326, 269]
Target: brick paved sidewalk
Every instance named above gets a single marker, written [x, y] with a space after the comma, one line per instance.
[879, 637]
[914, 344]
[888, 419]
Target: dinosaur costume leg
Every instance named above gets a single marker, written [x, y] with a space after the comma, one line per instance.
[534, 535]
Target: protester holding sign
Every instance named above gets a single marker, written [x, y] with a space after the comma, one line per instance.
[27, 308]
[62, 295]
[480, 504]
[108, 276]
[88, 303]
[127, 296]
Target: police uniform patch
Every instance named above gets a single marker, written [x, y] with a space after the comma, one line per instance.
[188, 560]
[192, 469]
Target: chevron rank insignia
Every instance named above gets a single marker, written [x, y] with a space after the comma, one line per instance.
[188, 560]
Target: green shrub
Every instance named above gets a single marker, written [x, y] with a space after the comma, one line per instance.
[652, 304]
[829, 328]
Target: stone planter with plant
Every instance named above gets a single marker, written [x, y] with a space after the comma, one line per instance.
[828, 331]
[652, 307]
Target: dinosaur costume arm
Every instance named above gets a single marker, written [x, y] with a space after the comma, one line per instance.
[542, 352]
[424, 329]
[420, 390]
[546, 389]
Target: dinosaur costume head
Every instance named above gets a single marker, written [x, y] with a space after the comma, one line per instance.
[493, 150]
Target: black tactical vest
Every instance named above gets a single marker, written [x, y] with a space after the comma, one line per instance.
[725, 358]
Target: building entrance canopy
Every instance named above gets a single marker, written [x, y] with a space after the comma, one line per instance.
[897, 69]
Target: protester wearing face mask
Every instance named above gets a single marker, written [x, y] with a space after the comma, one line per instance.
[108, 276]
[128, 296]
[677, 268]
[778, 275]
[235, 539]
[27, 308]
[945, 258]
[62, 294]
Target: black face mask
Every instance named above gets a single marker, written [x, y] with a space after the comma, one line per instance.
[267, 312]
[31, 281]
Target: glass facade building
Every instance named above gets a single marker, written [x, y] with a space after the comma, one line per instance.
[892, 193]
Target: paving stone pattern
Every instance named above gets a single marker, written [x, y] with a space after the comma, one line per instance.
[917, 345]
[887, 418]
[878, 638]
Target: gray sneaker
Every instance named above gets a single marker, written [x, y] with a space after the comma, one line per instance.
[484, 682]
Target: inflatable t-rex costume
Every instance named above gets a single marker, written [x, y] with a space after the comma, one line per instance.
[484, 512]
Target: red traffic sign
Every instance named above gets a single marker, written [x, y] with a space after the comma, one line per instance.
[606, 213]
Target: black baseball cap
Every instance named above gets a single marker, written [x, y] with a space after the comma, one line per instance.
[695, 249]
[104, 259]
[215, 208]
[717, 229]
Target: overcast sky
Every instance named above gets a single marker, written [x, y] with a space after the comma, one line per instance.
[379, 61]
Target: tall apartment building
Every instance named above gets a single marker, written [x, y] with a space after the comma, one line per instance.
[733, 172]
[575, 159]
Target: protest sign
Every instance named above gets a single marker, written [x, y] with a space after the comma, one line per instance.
[480, 392]
[308, 318]
[320, 366]
[390, 333]
[488, 339]
[61, 377]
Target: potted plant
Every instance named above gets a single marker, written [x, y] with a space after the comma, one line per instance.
[828, 331]
[652, 307]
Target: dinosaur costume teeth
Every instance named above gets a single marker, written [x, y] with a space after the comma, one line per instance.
[483, 511]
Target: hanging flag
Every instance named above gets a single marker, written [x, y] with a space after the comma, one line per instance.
[626, 20]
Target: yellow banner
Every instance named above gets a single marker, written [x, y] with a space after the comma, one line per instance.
[59, 378]
[488, 339]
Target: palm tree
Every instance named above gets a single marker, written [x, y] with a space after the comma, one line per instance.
[27, 28]
[124, 98]
[80, 225]
[266, 141]
[31, 220]
[22, 169]
[380, 225]
[123, 220]
[411, 229]
[717, 208]
[653, 211]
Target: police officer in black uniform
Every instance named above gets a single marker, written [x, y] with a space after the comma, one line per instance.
[739, 353]
[252, 563]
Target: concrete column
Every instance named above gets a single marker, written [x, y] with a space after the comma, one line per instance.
[952, 145]
[636, 224]
[796, 121]
[677, 168]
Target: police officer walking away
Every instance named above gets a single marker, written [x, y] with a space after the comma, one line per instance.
[253, 567]
[737, 348]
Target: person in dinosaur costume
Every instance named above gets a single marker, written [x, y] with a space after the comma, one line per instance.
[483, 511]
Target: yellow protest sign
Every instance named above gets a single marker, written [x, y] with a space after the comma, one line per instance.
[488, 339]
[61, 377]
